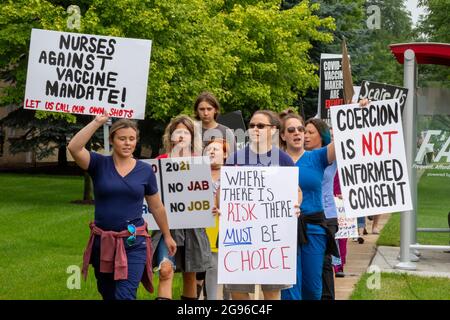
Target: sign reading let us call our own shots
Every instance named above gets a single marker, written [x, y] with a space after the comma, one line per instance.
[258, 225]
[87, 74]
[370, 153]
[186, 190]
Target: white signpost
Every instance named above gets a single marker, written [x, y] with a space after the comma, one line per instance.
[258, 225]
[87, 74]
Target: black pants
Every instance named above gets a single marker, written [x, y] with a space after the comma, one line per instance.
[327, 270]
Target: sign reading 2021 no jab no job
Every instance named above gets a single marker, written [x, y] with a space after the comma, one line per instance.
[87, 74]
[370, 154]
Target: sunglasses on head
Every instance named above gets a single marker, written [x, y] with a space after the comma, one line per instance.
[259, 125]
[292, 129]
[131, 239]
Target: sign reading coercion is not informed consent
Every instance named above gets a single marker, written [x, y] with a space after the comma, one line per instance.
[370, 153]
[258, 225]
[87, 74]
[186, 190]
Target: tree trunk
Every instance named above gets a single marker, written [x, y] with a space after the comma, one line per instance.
[87, 194]
[62, 156]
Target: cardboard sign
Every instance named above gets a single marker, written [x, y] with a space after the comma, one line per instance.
[258, 225]
[375, 91]
[186, 189]
[331, 91]
[348, 227]
[370, 154]
[87, 74]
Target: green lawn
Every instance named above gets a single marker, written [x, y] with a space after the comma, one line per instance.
[434, 205]
[42, 235]
[402, 287]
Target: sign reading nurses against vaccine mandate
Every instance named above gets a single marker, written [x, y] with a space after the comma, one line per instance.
[370, 154]
[258, 225]
[87, 74]
[186, 189]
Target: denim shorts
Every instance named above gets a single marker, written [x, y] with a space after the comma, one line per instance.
[162, 254]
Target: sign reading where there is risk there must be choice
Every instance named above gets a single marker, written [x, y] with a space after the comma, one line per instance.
[258, 225]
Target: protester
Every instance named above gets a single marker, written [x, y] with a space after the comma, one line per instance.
[119, 245]
[315, 239]
[217, 150]
[207, 109]
[318, 135]
[262, 151]
[181, 139]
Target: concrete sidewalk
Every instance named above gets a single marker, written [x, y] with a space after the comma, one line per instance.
[359, 258]
[431, 263]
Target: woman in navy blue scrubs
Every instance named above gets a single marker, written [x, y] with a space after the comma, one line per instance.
[119, 247]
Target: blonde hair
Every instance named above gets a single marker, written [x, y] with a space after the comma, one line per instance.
[193, 128]
[123, 124]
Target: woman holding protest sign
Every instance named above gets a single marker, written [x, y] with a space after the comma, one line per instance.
[217, 150]
[318, 135]
[313, 233]
[181, 139]
[119, 247]
[262, 151]
[315, 239]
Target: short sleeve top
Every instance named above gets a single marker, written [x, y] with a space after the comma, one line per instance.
[119, 200]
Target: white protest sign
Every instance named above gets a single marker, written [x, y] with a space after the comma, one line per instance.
[186, 189]
[87, 74]
[258, 225]
[370, 154]
[348, 227]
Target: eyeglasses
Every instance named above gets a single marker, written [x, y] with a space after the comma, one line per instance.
[131, 239]
[259, 125]
[292, 129]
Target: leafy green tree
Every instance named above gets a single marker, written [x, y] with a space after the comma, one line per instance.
[247, 52]
[434, 27]
[371, 58]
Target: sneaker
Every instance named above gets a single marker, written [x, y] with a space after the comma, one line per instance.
[340, 274]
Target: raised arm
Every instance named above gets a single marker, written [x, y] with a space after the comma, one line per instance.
[77, 144]
[331, 152]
